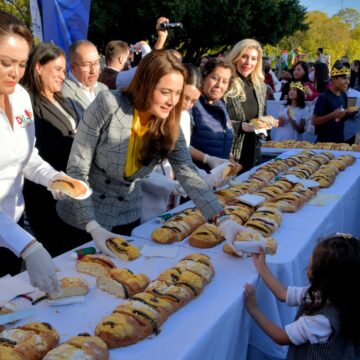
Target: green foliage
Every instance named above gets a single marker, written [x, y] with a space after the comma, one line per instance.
[349, 16]
[208, 25]
[19, 8]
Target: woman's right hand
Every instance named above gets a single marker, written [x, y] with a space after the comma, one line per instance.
[247, 127]
[100, 236]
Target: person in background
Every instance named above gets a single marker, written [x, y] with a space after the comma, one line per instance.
[275, 83]
[285, 76]
[319, 80]
[321, 57]
[116, 57]
[212, 133]
[55, 128]
[246, 101]
[300, 72]
[19, 159]
[355, 75]
[293, 115]
[329, 112]
[326, 325]
[121, 138]
[81, 86]
[124, 78]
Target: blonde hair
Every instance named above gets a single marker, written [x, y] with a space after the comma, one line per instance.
[256, 76]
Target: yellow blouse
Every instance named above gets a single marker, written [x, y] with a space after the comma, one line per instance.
[135, 145]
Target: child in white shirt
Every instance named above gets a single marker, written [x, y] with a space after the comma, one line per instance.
[327, 323]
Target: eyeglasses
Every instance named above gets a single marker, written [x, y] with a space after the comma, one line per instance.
[89, 65]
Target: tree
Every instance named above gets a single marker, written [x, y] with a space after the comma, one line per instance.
[208, 25]
[19, 8]
[349, 16]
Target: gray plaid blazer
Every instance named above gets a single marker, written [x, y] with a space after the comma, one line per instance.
[98, 157]
[76, 96]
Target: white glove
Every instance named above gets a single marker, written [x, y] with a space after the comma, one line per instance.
[213, 161]
[41, 269]
[57, 194]
[100, 235]
[178, 190]
[230, 229]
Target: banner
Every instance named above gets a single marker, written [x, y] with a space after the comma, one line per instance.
[65, 21]
[36, 24]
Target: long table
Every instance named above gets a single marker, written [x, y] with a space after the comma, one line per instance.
[216, 324]
[212, 326]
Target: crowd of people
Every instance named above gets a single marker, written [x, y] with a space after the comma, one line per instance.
[155, 132]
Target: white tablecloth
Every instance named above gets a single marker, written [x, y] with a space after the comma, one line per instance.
[216, 325]
[213, 326]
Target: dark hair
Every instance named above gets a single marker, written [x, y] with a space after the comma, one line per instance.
[75, 46]
[300, 99]
[11, 25]
[321, 76]
[162, 134]
[193, 77]
[115, 48]
[41, 54]
[305, 67]
[333, 279]
[214, 63]
[321, 50]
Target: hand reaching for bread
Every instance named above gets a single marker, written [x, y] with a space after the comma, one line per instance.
[100, 236]
[213, 161]
[62, 186]
[230, 229]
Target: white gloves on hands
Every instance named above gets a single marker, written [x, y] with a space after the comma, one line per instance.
[57, 194]
[41, 269]
[213, 161]
[100, 235]
[230, 229]
[178, 190]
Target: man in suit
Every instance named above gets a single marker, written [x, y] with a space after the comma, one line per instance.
[81, 86]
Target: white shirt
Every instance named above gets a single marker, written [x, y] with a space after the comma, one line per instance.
[18, 159]
[313, 328]
[90, 93]
[287, 132]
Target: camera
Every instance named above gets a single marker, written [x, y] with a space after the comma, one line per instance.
[169, 25]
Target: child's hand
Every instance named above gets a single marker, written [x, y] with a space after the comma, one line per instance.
[250, 298]
[259, 260]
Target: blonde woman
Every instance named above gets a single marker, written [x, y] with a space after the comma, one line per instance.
[246, 100]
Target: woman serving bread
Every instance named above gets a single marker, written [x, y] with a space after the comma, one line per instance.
[122, 136]
[19, 159]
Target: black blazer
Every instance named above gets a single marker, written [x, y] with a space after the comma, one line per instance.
[54, 133]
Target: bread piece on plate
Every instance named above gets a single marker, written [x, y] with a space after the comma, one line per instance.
[122, 283]
[78, 347]
[122, 249]
[71, 286]
[119, 330]
[232, 169]
[206, 236]
[71, 187]
[7, 307]
[94, 265]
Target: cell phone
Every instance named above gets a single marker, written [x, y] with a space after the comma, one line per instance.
[351, 101]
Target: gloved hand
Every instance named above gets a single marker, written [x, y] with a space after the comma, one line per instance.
[178, 190]
[230, 229]
[213, 161]
[57, 194]
[100, 235]
[41, 269]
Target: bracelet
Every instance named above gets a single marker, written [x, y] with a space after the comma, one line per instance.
[218, 217]
[31, 249]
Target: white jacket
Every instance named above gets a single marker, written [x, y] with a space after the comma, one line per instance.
[18, 159]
